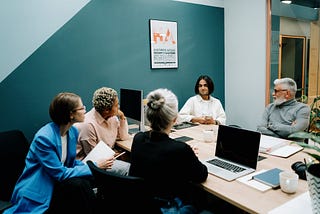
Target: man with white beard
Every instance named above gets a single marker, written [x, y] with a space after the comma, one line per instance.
[285, 115]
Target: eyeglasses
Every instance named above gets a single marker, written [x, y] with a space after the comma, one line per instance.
[81, 108]
[278, 90]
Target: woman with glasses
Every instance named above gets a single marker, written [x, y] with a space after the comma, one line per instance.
[53, 181]
[285, 115]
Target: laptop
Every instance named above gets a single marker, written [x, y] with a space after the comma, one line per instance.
[236, 153]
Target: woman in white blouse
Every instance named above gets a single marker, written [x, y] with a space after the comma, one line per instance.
[203, 108]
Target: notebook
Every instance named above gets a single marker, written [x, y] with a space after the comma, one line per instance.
[237, 149]
[269, 177]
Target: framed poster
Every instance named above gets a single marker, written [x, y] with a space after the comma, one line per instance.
[163, 44]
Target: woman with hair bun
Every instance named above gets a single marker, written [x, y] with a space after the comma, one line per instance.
[168, 166]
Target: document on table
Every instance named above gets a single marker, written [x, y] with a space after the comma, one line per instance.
[99, 152]
[253, 183]
[286, 151]
[277, 146]
[269, 144]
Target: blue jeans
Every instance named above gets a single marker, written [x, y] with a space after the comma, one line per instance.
[120, 167]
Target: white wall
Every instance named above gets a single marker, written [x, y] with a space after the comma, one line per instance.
[27, 24]
[245, 61]
[214, 3]
[294, 27]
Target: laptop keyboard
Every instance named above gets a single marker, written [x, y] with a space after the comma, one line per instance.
[225, 165]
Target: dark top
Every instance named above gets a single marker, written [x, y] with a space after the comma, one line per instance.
[169, 166]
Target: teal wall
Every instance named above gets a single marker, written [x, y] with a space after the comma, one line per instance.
[107, 44]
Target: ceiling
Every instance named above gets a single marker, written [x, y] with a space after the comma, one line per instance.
[307, 3]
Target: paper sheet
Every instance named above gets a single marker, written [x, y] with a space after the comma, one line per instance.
[100, 151]
[269, 144]
[286, 151]
[253, 183]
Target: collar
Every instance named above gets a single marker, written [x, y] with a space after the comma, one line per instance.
[199, 98]
[98, 116]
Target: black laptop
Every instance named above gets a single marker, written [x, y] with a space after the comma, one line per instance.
[236, 153]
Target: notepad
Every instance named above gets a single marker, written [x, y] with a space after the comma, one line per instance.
[286, 151]
[253, 183]
[277, 146]
[269, 177]
[269, 144]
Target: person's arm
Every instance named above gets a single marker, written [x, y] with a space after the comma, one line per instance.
[188, 114]
[105, 164]
[221, 118]
[301, 123]
[185, 112]
[46, 150]
[87, 138]
[198, 171]
[123, 129]
[202, 120]
[263, 124]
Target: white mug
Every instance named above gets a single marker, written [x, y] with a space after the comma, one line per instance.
[208, 135]
[288, 181]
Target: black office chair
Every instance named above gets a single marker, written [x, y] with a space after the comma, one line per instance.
[122, 194]
[236, 126]
[13, 150]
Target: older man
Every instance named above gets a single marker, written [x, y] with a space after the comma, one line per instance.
[285, 115]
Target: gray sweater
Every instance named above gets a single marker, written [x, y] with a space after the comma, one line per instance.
[285, 119]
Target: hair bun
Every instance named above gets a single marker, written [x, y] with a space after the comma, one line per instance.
[156, 104]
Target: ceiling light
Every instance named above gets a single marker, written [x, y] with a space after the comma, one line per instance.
[286, 1]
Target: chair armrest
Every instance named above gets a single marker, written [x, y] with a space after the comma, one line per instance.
[4, 205]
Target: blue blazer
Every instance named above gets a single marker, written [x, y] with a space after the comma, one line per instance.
[33, 190]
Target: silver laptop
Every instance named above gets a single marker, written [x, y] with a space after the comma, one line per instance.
[236, 153]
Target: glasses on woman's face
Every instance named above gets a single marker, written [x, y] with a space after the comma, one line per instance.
[80, 108]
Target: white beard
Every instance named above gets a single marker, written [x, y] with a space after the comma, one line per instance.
[279, 101]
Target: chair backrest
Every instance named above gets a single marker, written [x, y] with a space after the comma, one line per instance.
[236, 126]
[123, 194]
[13, 150]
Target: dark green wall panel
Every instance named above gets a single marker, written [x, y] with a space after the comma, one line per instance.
[107, 44]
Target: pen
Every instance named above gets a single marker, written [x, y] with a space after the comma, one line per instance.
[119, 155]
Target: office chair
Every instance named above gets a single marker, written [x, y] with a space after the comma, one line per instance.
[236, 126]
[122, 194]
[13, 150]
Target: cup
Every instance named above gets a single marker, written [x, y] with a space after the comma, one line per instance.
[208, 135]
[288, 181]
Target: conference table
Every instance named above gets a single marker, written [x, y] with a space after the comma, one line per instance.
[236, 193]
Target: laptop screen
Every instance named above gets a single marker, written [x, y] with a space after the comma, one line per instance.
[238, 145]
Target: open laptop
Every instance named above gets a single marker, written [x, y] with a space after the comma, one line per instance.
[235, 146]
